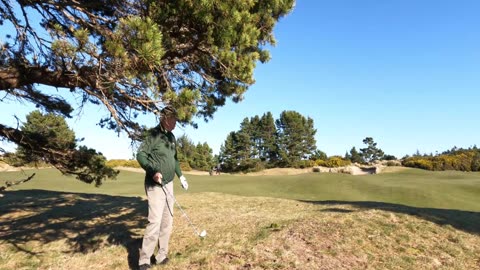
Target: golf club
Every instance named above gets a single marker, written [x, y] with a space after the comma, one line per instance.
[201, 234]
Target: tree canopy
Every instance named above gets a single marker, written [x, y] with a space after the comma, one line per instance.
[264, 142]
[199, 157]
[296, 137]
[46, 136]
[133, 57]
[371, 152]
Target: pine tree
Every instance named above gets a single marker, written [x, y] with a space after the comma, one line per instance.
[371, 152]
[202, 159]
[185, 150]
[45, 135]
[356, 157]
[243, 141]
[228, 156]
[268, 146]
[319, 155]
[295, 137]
[131, 58]
[255, 137]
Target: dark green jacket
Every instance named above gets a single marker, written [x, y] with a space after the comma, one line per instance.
[158, 153]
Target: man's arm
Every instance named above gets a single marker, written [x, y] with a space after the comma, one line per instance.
[143, 157]
[178, 171]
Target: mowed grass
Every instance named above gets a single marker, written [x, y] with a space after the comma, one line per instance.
[406, 220]
[412, 187]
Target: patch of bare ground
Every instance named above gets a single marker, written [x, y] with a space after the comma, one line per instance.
[4, 167]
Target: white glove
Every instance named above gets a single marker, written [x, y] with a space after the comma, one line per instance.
[183, 182]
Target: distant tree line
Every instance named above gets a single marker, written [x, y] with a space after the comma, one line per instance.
[455, 159]
[191, 156]
[262, 142]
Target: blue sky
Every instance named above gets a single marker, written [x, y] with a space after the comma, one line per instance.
[404, 72]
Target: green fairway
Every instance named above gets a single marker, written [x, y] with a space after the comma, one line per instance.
[447, 190]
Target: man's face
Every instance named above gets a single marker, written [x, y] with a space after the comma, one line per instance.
[169, 122]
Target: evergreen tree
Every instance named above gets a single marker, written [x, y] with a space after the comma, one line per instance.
[356, 157]
[131, 58]
[319, 155]
[268, 143]
[255, 137]
[185, 150]
[203, 158]
[228, 156]
[243, 141]
[295, 137]
[45, 135]
[371, 152]
[390, 157]
[199, 157]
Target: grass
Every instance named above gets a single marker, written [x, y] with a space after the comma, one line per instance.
[412, 187]
[405, 220]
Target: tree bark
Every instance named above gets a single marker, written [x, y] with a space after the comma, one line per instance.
[19, 76]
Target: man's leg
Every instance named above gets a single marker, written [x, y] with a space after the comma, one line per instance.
[156, 204]
[166, 224]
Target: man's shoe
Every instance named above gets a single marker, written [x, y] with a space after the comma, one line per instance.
[144, 267]
[163, 262]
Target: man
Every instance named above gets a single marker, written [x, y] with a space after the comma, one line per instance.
[158, 157]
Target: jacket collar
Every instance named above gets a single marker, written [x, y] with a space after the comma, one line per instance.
[162, 129]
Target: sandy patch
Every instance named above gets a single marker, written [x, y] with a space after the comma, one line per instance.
[4, 167]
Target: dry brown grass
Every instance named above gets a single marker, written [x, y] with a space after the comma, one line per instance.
[80, 231]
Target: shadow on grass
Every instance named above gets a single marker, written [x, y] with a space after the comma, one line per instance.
[86, 221]
[462, 220]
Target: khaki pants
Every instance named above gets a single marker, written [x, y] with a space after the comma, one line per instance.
[160, 220]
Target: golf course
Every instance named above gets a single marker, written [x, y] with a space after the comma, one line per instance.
[403, 219]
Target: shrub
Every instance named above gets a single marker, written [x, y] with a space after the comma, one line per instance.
[185, 166]
[252, 165]
[321, 162]
[123, 163]
[302, 164]
[462, 160]
[333, 162]
[389, 157]
[420, 163]
[391, 163]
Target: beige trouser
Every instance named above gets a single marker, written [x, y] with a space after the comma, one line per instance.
[160, 220]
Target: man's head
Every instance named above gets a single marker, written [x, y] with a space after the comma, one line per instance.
[168, 118]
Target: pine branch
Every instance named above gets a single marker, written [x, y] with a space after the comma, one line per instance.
[9, 183]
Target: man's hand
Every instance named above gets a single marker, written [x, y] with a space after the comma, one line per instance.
[158, 178]
[183, 182]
